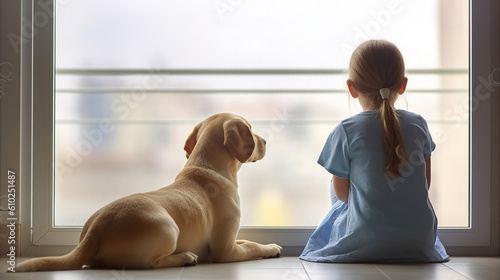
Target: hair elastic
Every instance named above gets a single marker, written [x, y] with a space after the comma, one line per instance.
[385, 92]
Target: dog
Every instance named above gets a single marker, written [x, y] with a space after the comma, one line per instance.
[196, 218]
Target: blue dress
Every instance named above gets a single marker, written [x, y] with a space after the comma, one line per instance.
[384, 220]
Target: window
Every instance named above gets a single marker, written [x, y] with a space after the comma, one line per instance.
[129, 92]
[127, 96]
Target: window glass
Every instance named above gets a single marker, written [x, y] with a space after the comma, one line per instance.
[132, 80]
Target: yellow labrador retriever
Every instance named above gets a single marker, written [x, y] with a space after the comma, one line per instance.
[195, 218]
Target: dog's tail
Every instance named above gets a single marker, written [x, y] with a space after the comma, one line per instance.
[71, 261]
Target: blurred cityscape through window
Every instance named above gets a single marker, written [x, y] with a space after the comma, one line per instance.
[134, 77]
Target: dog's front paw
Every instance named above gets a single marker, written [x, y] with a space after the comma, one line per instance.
[192, 259]
[274, 250]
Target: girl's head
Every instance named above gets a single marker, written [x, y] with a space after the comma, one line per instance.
[376, 65]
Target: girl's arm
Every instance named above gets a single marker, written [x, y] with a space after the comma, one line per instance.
[428, 172]
[341, 188]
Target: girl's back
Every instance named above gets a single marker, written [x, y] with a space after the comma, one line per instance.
[385, 219]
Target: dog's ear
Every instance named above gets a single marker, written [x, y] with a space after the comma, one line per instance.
[238, 139]
[191, 140]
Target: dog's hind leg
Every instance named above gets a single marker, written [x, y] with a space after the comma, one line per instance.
[181, 259]
[167, 238]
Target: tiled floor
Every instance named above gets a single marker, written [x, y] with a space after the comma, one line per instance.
[289, 268]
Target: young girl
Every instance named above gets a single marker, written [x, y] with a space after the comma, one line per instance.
[381, 161]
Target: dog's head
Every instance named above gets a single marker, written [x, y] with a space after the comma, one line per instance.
[232, 132]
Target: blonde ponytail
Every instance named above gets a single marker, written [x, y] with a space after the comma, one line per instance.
[394, 144]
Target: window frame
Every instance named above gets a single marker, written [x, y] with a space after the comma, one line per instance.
[32, 128]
